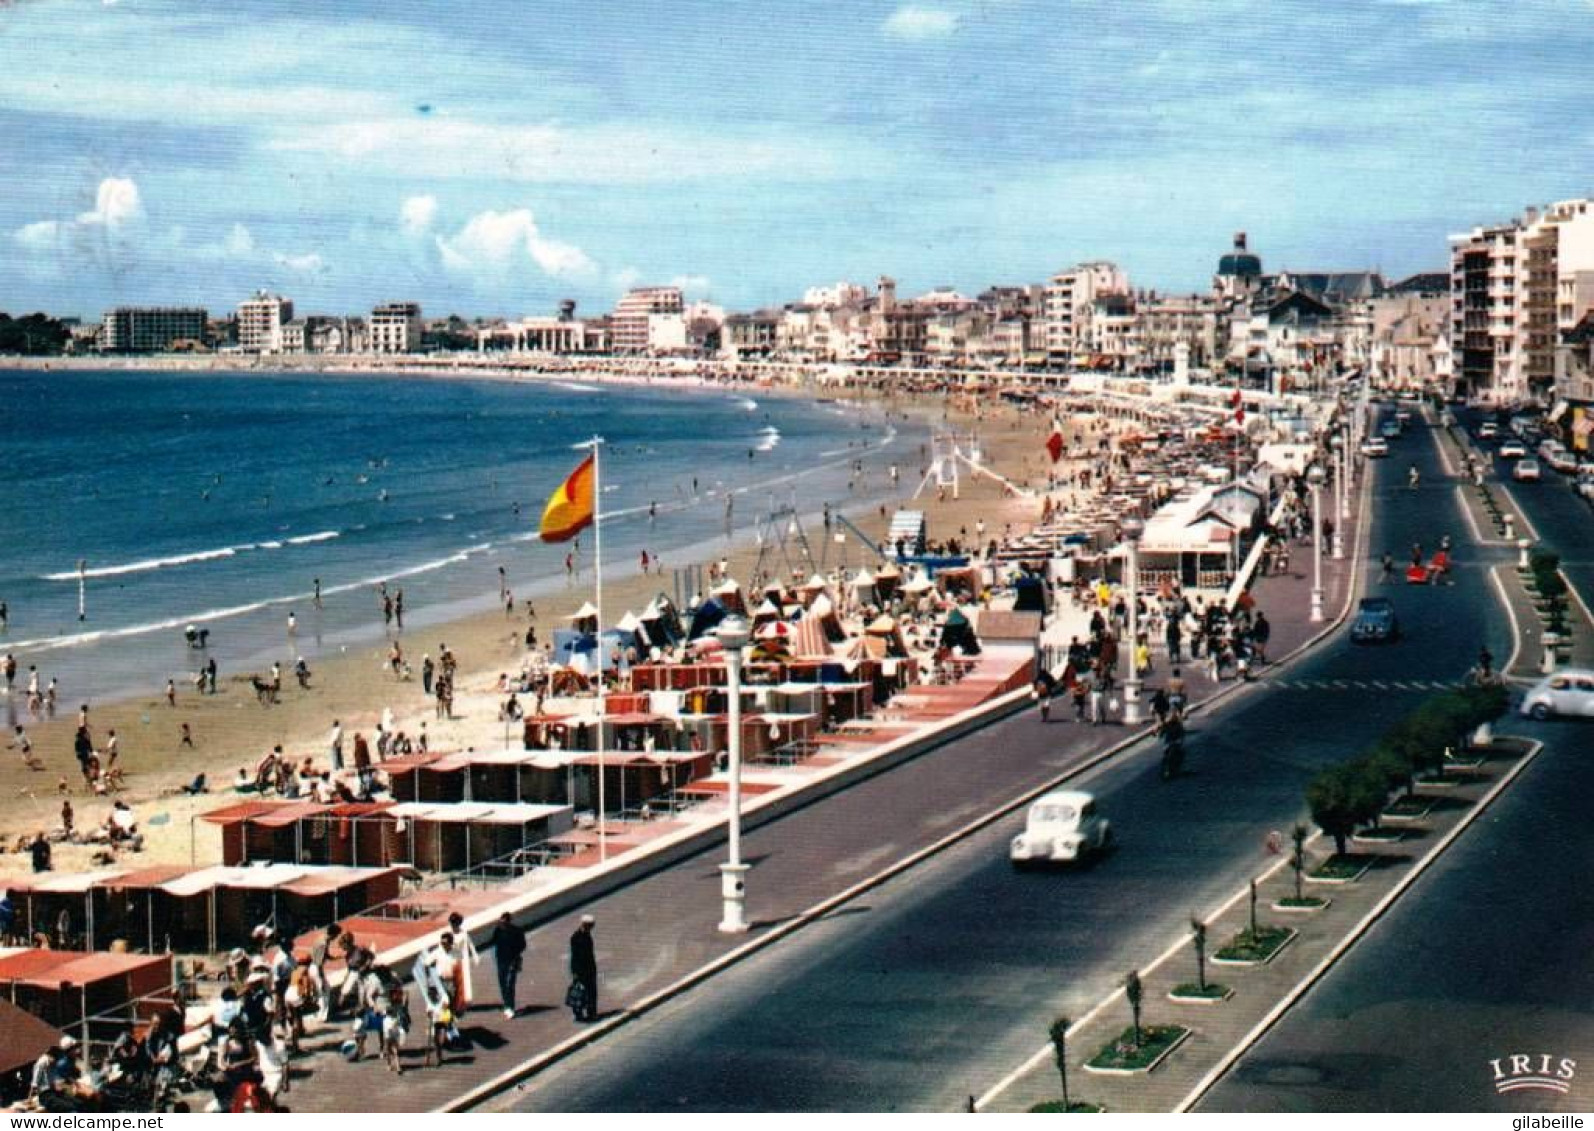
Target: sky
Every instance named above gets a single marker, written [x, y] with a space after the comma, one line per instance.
[494, 157]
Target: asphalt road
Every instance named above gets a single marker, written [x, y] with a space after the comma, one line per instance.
[1486, 956]
[936, 984]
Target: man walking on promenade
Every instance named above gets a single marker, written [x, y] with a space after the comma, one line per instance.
[508, 945]
[583, 996]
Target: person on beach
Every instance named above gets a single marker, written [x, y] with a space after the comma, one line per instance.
[186, 736]
[428, 669]
[171, 693]
[293, 624]
[465, 957]
[335, 746]
[24, 747]
[210, 673]
[9, 669]
[5, 616]
[316, 600]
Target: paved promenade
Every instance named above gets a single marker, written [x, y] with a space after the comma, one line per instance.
[660, 930]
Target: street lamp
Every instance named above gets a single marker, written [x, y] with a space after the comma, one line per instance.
[1338, 444]
[734, 633]
[1346, 451]
[1131, 530]
[1314, 480]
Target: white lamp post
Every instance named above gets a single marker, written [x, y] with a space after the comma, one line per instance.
[733, 634]
[1345, 453]
[1131, 530]
[1338, 444]
[1314, 480]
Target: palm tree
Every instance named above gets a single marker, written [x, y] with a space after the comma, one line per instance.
[1298, 856]
[1059, 1035]
[1198, 935]
[1134, 992]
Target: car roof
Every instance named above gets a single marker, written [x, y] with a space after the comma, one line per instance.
[1377, 603]
[1561, 673]
[1074, 797]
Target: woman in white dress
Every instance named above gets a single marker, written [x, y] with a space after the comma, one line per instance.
[465, 956]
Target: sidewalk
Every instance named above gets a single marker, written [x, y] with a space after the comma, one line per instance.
[656, 935]
[1260, 991]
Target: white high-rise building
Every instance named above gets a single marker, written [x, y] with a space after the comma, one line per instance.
[396, 327]
[646, 318]
[1515, 288]
[260, 322]
[1067, 303]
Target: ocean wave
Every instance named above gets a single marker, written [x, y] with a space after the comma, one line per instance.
[748, 404]
[148, 564]
[768, 440]
[574, 387]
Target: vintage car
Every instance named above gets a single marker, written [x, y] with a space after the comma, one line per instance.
[1513, 449]
[1375, 448]
[1062, 826]
[1568, 693]
[1527, 471]
[1375, 621]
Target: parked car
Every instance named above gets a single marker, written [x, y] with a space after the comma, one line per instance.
[1390, 430]
[1569, 692]
[1062, 826]
[1527, 471]
[1375, 621]
[1375, 448]
[1585, 481]
[1513, 449]
[1563, 461]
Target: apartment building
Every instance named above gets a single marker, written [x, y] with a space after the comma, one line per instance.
[648, 319]
[1515, 290]
[396, 327]
[152, 329]
[260, 323]
[1067, 304]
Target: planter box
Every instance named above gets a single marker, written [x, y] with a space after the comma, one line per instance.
[1278, 950]
[1294, 909]
[1184, 1035]
[1393, 836]
[1439, 783]
[1360, 872]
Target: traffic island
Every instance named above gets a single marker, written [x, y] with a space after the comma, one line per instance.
[1132, 1056]
[1055, 1107]
[1255, 947]
[1379, 835]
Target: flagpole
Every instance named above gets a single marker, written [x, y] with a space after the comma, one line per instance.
[597, 564]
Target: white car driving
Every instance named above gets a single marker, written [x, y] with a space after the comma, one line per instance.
[1568, 693]
[1061, 826]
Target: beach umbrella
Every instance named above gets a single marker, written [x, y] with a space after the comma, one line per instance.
[585, 612]
[774, 630]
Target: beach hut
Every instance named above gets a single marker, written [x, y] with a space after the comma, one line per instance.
[729, 594]
[958, 634]
[349, 834]
[67, 988]
[584, 619]
[707, 618]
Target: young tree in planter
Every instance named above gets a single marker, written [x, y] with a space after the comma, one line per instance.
[1485, 704]
[1059, 1035]
[1198, 936]
[1343, 797]
[1298, 836]
[1134, 992]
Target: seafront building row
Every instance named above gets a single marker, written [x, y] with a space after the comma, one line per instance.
[1510, 322]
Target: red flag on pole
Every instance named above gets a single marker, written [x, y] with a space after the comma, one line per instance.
[1054, 442]
[1239, 407]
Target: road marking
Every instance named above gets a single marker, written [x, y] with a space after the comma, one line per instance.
[1381, 685]
[1516, 626]
[1527, 523]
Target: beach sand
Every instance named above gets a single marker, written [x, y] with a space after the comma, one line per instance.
[232, 730]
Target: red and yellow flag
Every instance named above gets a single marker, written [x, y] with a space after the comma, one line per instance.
[570, 508]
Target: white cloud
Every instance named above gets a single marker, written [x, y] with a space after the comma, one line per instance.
[492, 245]
[691, 285]
[917, 22]
[239, 241]
[40, 234]
[418, 212]
[602, 153]
[309, 264]
[116, 202]
[625, 278]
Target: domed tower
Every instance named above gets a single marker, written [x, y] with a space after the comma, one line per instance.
[1239, 272]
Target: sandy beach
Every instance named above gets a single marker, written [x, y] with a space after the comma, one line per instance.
[232, 729]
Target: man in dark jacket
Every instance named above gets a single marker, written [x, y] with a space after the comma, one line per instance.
[508, 945]
[583, 996]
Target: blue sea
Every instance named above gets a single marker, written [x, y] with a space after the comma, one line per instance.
[219, 499]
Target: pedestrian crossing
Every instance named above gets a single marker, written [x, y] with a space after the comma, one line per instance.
[1358, 684]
